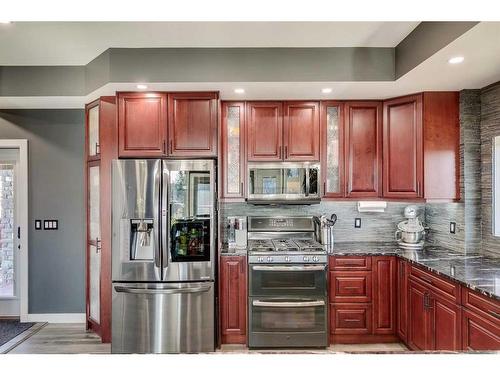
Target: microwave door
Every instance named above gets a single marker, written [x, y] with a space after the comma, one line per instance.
[136, 225]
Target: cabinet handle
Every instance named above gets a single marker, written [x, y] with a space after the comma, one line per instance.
[171, 146]
[426, 297]
[97, 245]
[418, 188]
[286, 152]
[351, 320]
[351, 287]
[242, 191]
[324, 188]
[494, 314]
[97, 148]
[281, 153]
[164, 147]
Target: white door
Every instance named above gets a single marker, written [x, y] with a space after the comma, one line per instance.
[9, 241]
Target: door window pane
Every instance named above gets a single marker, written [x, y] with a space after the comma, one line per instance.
[7, 230]
[94, 220]
[332, 150]
[94, 131]
[95, 283]
[233, 150]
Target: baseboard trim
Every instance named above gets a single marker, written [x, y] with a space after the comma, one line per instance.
[54, 318]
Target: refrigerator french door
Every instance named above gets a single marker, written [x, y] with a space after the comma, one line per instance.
[163, 256]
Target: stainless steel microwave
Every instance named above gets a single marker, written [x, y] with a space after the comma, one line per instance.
[283, 183]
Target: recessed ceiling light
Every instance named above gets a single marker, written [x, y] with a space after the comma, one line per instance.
[456, 60]
[142, 87]
[326, 90]
[239, 91]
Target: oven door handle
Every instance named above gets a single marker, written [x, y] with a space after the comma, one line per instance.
[289, 268]
[260, 303]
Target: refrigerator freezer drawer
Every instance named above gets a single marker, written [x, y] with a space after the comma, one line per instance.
[163, 318]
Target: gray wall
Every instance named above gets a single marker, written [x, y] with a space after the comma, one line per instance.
[490, 127]
[56, 258]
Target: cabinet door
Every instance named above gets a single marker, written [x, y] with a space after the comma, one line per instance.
[445, 324]
[402, 293]
[142, 124]
[265, 131]
[363, 148]
[479, 333]
[301, 131]
[384, 294]
[192, 124]
[233, 299]
[94, 243]
[233, 149]
[403, 155]
[332, 145]
[419, 328]
[92, 120]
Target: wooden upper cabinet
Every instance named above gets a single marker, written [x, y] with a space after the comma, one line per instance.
[441, 145]
[403, 162]
[363, 125]
[142, 124]
[332, 146]
[192, 124]
[233, 149]
[301, 131]
[265, 131]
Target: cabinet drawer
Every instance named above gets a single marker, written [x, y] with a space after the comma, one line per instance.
[350, 319]
[351, 286]
[480, 304]
[438, 284]
[350, 263]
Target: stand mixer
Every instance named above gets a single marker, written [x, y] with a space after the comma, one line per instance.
[411, 232]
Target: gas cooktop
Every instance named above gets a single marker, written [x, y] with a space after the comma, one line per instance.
[285, 245]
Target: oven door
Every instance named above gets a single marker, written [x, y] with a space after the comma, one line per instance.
[288, 322]
[290, 280]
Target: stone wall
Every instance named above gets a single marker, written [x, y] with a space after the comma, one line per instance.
[490, 127]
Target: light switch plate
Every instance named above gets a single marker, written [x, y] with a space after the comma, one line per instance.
[453, 227]
[357, 222]
[38, 224]
[51, 224]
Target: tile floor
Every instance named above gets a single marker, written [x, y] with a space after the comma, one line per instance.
[73, 339]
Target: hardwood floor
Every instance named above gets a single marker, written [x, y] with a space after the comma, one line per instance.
[62, 339]
[73, 339]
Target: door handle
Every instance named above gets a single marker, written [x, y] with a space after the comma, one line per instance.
[286, 152]
[97, 245]
[97, 148]
[288, 268]
[18, 233]
[260, 303]
[123, 289]
[494, 314]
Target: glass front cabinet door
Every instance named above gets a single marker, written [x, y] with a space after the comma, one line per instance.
[233, 149]
[332, 127]
[94, 242]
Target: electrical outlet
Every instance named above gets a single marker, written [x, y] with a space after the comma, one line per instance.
[357, 222]
[453, 227]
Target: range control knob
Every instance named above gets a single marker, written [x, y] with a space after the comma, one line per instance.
[269, 259]
[287, 259]
[260, 259]
[306, 259]
[315, 258]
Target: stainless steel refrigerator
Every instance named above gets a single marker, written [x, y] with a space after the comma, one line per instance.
[163, 252]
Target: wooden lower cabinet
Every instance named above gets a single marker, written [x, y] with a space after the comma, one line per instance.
[479, 333]
[362, 299]
[402, 299]
[434, 319]
[233, 299]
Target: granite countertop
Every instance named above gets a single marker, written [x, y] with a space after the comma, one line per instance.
[475, 271]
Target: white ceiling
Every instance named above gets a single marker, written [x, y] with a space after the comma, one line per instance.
[77, 43]
[480, 46]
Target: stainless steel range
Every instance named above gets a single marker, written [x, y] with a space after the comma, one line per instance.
[287, 285]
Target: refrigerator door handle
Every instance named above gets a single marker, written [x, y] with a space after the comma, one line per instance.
[157, 221]
[124, 289]
[165, 214]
